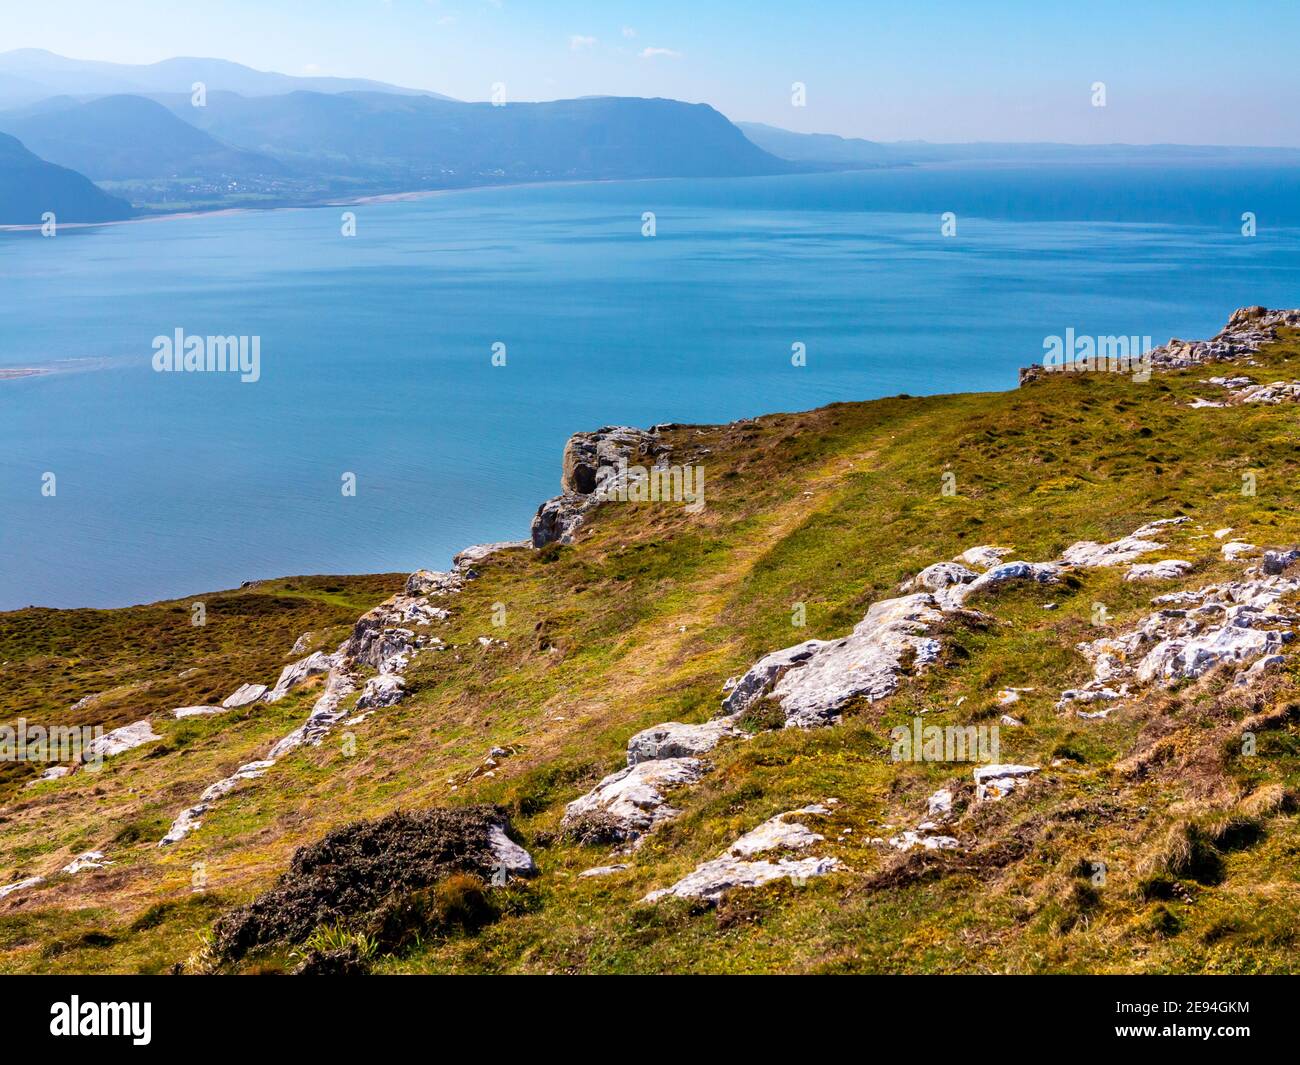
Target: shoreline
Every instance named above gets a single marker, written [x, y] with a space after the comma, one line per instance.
[410, 195]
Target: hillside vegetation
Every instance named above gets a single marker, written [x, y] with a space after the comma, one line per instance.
[1160, 837]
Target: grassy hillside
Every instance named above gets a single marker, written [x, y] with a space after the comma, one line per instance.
[643, 619]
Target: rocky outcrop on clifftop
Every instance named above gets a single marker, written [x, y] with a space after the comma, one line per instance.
[1248, 330]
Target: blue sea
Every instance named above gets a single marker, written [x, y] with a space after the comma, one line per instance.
[376, 350]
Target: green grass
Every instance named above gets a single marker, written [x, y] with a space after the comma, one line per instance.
[644, 619]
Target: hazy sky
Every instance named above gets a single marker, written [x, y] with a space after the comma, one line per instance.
[1188, 71]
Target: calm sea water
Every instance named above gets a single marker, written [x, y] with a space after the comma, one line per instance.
[376, 350]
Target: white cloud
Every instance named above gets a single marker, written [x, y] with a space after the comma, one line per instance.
[578, 42]
[657, 53]
[629, 32]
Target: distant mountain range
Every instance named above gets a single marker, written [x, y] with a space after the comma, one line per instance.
[29, 75]
[262, 139]
[827, 151]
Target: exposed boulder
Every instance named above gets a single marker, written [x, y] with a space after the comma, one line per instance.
[325, 714]
[472, 555]
[984, 557]
[120, 740]
[557, 520]
[1183, 658]
[594, 466]
[602, 870]
[1276, 561]
[760, 677]
[1003, 573]
[940, 575]
[182, 712]
[87, 860]
[243, 695]
[189, 819]
[386, 689]
[734, 869]
[508, 857]
[672, 740]
[21, 885]
[294, 674]
[998, 781]
[868, 663]
[433, 583]
[1165, 570]
[591, 458]
[1089, 554]
[629, 803]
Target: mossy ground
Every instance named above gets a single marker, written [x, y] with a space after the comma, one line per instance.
[643, 620]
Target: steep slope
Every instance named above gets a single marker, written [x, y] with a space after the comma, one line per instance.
[1075, 564]
[118, 138]
[29, 187]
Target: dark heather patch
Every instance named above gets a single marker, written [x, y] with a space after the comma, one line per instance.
[353, 869]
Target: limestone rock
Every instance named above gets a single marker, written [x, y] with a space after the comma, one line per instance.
[557, 520]
[439, 585]
[602, 870]
[630, 802]
[713, 879]
[590, 458]
[119, 740]
[1276, 561]
[672, 740]
[907, 840]
[479, 552]
[21, 885]
[1003, 573]
[325, 714]
[88, 860]
[1089, 554]
[866, 664]
[779, 833]
[984, 557]
[294, 674]
[182, 712]
[940, 575]
[386, 689]
[760, 677]
[1166, 570]
[189, 819]
[1180, 659]
[508, 856]
[243, 695]
[997, 781]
